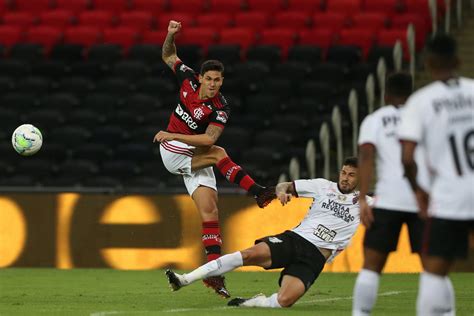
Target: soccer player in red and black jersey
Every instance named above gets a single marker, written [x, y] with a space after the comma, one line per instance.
[187, 146]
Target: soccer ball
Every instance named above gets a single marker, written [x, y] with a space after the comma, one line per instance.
[27, 140]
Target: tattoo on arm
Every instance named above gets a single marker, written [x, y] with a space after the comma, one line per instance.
[214, 132]
[169, 51]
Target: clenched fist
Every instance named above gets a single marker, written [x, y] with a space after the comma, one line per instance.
[174, 27]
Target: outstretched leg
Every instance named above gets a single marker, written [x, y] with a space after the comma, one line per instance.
[234, 173]
[257, 255]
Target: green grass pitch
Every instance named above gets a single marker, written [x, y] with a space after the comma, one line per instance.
[101, 292]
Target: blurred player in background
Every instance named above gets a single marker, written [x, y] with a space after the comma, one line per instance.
[187, 146]
[439, 119]
[303, 251]
[394, 202]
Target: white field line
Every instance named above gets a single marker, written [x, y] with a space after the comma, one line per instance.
[184, 310]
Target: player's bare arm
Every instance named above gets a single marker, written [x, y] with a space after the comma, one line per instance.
[411, 169]
[168, 54]
[200, 140]
[366, 167]
[284, 192]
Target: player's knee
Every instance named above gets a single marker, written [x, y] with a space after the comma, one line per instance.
[286, 300]
[218, 152]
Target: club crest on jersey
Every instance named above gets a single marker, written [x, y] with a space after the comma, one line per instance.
[221, 116]
[198, 113]
[355, 199]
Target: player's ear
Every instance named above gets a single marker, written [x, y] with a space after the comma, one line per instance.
[200, 78]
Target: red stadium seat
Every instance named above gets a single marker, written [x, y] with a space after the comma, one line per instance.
[47, 36]
[297, 19]
[33, 6]
[320, 37]
[371, 20]
[254, 20]
[75, 6]
[114, 6]
[361, 37]
[202, 36]
[96, 18]
[308, 6]
[186, 19]
[82, 35]
[265, 5]
[330, 20]
[57, 18]
[192, 6]
[140, 20]
[152, 6]
[390, 37]
[219, 20]
[421, 29]
[10, 35]
[343, 6]
[123, 36]
[227, 6]
[281, 37]
[244, 37]
[154, 37]
[387, 6]
[21, 19]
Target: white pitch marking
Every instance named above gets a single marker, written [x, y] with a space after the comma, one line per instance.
[340, 298]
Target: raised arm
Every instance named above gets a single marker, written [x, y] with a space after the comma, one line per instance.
[168, 54]
[284, 191]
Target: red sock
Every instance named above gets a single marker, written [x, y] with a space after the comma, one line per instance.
[235, 174]
[211, 239]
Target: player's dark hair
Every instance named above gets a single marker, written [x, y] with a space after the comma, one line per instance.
[210, 65]
[399, 84]
[442, 52]
[351, 161]
[442, 45]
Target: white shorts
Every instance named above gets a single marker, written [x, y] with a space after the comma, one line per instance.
[177, 158]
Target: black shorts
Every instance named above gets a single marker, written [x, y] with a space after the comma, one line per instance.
[296, 255]
[384, 232]
[446, 238]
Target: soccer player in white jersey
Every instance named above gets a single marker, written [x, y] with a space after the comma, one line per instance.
[394, 202]
[439, 119]
[324, 232]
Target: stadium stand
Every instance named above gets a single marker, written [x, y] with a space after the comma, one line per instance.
[89, 74]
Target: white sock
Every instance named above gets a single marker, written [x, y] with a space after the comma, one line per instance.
[365, 292]
[452, 296]
[434, 296]
[261, 300]
[219, 266]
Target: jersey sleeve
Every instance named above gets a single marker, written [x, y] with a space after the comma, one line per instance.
[309, 188]
[220, 116]
[411, 127]
[368, 131]
[183, 72]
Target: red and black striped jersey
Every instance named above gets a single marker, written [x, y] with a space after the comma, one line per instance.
[192, 115]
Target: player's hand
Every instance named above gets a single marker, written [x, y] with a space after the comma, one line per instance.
[174, 27]
[284, 198]
[163, 136]
[366, 213]
[422, 198]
